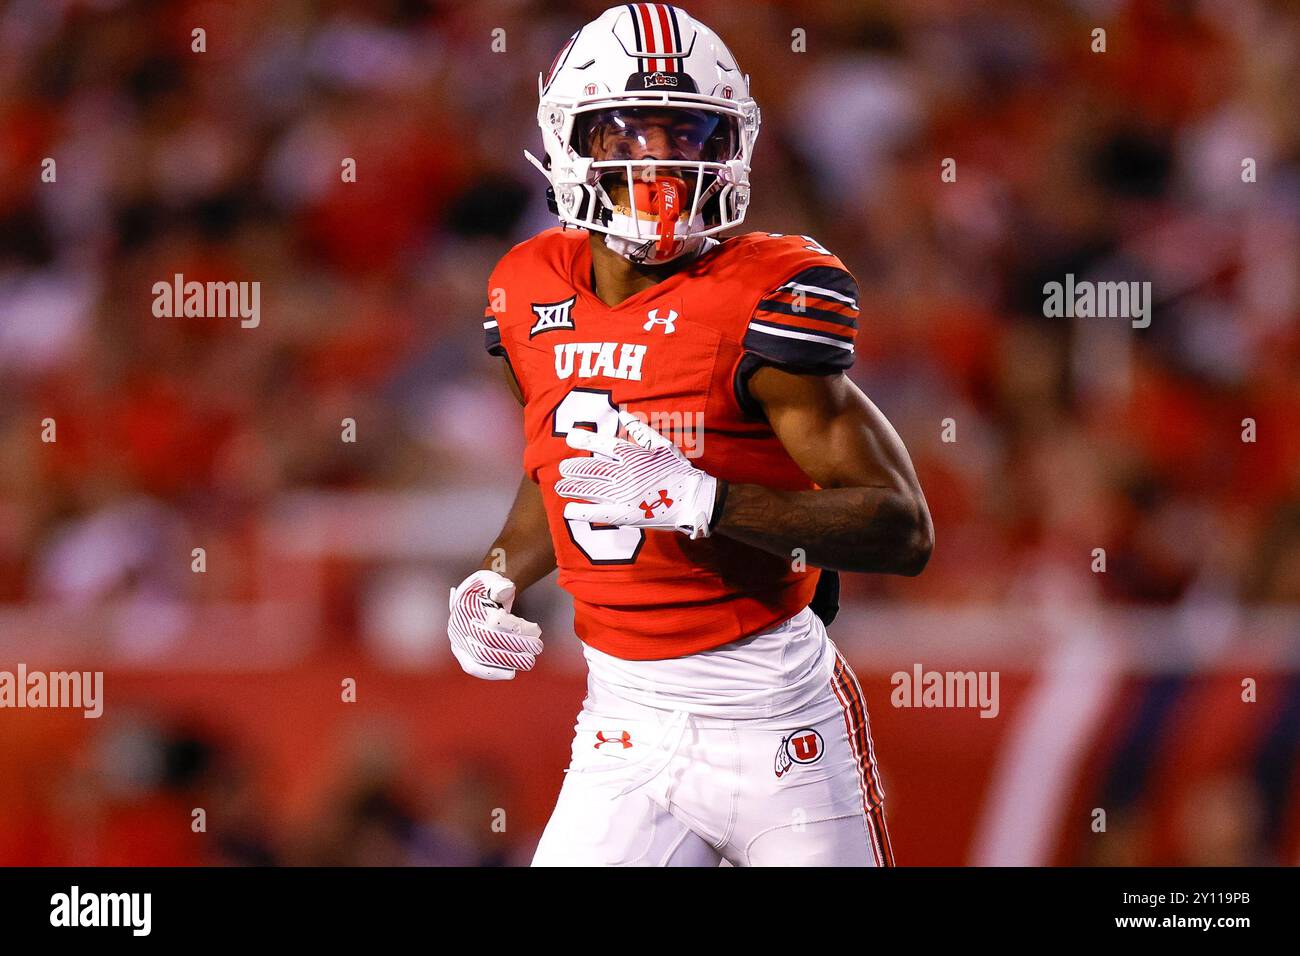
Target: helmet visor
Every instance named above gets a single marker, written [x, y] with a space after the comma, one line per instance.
[657, 133]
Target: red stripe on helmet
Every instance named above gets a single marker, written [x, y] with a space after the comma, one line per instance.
[648, 34]
[667, 33]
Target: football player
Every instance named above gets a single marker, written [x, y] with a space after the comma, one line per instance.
[697, 465]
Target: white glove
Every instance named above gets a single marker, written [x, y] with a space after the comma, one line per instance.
[643, 483]
[486, 638]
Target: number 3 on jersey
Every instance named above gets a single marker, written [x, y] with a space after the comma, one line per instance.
[594, 410]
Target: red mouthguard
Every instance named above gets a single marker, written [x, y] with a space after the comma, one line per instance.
[663, 199]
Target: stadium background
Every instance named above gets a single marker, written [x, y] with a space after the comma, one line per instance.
[1119, 690]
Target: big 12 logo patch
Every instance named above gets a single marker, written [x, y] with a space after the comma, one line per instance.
[801, 747]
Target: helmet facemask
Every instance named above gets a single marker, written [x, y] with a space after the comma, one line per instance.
[617, 155]
[657, 173]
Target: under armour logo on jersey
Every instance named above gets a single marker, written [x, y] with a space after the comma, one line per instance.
[652, 319]
[623, 738]
[662, 501]
[552, 315]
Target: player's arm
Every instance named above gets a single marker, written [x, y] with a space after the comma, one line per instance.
[868, 515]
[487, 640]
[523, 550]
[524, 544]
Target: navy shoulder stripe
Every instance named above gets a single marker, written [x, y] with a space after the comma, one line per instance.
[827, 283]
[797, 350]
[492, 337]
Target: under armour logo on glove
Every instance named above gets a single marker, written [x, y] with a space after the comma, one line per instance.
[649, 506]
[643, 483]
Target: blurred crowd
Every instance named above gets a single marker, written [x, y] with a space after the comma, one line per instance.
[1070, 434]
[225, 164]
[147, 791]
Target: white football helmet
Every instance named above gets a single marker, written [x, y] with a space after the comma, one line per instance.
[643, 110]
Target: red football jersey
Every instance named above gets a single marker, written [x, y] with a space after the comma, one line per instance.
[678, 355]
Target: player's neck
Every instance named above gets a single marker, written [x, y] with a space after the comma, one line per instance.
[616, 279]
